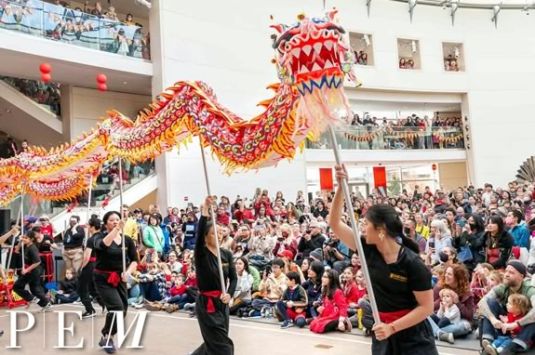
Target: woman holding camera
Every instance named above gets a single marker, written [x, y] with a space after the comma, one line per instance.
[401, 282]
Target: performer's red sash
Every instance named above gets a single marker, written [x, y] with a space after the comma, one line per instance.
[389, 317]
[210, 308]
[113, 277]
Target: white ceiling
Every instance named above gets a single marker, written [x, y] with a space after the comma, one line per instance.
[26, 66]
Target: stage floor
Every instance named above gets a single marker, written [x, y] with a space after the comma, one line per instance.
[177, 333]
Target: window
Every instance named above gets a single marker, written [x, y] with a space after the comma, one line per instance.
[362, 46]
[409, 54]
[453, 56]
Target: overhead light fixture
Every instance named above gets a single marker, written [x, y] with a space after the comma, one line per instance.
[496, 9]
[366, 39]
[412, 5]
[145, 3]
[454, 7]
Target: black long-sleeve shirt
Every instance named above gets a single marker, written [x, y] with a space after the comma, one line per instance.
[110, 258]
[308, 246]
[74, 239]
[206, 265]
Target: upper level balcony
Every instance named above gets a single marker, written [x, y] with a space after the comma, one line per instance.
[386, 144]
[73, 26]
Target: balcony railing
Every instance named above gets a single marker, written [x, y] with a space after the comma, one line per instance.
[106, 188]
[46, 95]
[393, 138]
[61, 24]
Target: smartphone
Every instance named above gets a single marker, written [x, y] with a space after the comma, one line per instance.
[431, 244]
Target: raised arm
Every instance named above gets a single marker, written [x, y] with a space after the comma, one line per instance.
[342, 230]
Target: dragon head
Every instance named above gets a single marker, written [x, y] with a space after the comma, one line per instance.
[313, 52]
[315, 56]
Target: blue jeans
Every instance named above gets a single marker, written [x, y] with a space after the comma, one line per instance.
[181, 300]
[502, 341]
[458, 330]
[487, 331]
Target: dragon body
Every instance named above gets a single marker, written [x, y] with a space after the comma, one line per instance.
[312, 58]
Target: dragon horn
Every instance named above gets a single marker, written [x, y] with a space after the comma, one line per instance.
[278, 27]
[331, 14]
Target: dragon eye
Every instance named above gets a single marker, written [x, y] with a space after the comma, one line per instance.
[317, 20]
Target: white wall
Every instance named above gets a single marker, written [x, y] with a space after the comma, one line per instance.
[87, 107]
[227, 45]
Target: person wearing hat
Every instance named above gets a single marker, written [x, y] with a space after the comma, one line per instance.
[493, 305]
[311, 240]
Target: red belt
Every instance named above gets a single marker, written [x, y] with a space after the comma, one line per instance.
[389, 317]
[210, 308]
[113, 278]
[93, 259]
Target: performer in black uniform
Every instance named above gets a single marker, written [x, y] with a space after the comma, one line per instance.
[110, 280]
[31, 273]
[212, 304]
[400, 280]
[86, 285]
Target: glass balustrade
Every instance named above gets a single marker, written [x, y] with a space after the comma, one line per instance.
[75, 27]
[393, 138]
[46, 95]
[106, 188]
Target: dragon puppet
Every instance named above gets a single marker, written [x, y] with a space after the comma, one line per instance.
[313, 59]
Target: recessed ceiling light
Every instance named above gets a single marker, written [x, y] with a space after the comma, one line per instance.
[125, 82]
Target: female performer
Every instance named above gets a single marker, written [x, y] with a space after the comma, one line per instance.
[31, 274]
[86, 285]
[400, 280]
[109, 265]
[212, 304]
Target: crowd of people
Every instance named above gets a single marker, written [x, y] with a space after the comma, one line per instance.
[90, 26]
[44, 94]
[406, 63]
[290, 266]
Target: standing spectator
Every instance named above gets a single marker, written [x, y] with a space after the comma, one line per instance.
[47, 229]
[153, 237]
[73, 240]
[190, 229]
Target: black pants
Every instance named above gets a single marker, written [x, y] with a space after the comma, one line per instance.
[33, 279]
[214, 328]
[114, 298]
[86, 288]
[416, 340]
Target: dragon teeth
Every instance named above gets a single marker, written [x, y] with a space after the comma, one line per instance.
[304, 69]
[317, 47]
[315, 67]
[307, 49]
[295, 52]
[328, 64]
[329, 45]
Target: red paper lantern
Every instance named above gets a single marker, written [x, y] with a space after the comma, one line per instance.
[102, 79]
[45, 68]
[434, 167]
[46, 78]
[102, 87]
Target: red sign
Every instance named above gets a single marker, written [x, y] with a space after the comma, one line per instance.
[379, 176]
[326, 179]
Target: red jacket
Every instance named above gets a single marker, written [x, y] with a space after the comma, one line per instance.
[177, 291]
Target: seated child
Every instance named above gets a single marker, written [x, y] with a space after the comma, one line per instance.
[292, 307]
[518, 306]
[67, 289]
